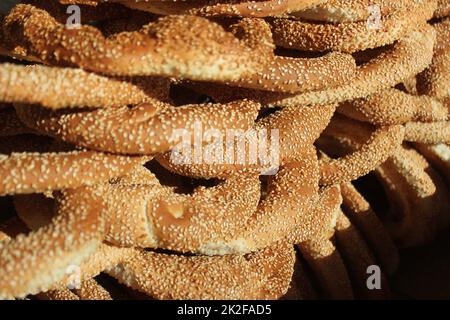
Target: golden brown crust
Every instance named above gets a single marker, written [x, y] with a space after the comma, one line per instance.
[151, 51]
[406, 58]
[353, 36]
[32, 263]
[297, 127]
[208, 8]
[265, 274]
[392, 106]
[443, 9]
[147, 128]
[57, 88]
[430, 133]
[38, 172]
[365, 157]
[342, 11]
[91, 290]
[435, 79]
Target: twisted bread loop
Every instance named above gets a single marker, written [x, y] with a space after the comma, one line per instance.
[392, 106]
[438, 155]
[431, 133]
[342, 11]
[435, 79]
[423, 197]
[73, 88]
[366, 156]
[29, 172]
[147, 128]
[145, 52]
[265, 8]
[351, 37]
[195, 223]
[71, 237]
[414, 190]
[297, 128]
[407, 57]
[267, 276]
[286, 74]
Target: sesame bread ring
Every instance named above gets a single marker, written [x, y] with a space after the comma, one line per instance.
[92, 290]
[151, 216]
[265, 274]
[415, 192]
[434, 81]
[57, 88]
[297, 127]
[37, 211]
[342, 11]
[392, 107]
[324, 215]
[288, 74]
[443, 9]
[350, 37]
[358, 257]
[278, 218]
[406, 58]
[30, 264]
[264, 8]
[321, 254]
[176, 46]
[418, 198]
[148, 128]
[195, 223]
[30, 172]
[359, 211]
[11, 229]
[438, 155]
[379, 144]
[429, 133]
[328, 267]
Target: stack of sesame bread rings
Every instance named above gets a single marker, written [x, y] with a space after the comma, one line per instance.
[119, 179]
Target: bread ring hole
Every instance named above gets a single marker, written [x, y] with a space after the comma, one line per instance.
[25, 143]
[293, 53]
[181, 95]
[119, 291]
[373, 191]
[183, 185]
[362, 57]
[170, 252]
[8, 213]
[265, 112]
